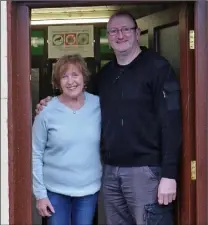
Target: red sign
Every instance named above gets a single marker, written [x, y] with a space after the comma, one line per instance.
[70, 39]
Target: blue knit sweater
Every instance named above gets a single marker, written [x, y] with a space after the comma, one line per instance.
[66, 149]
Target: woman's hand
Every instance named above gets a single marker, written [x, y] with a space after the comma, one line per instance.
[44, 207]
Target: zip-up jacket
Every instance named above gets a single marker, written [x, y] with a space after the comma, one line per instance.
[141, 113]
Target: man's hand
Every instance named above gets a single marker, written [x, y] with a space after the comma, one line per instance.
[42, 103]
[44, 207]
[166, 191]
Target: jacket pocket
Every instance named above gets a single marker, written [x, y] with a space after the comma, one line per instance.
[156, 214]
[153, 171]
[171, 94]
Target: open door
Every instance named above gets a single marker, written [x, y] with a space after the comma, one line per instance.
[187, 194]
[168, 32]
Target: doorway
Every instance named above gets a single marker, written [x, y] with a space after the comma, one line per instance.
[171, 24]
[158, 23]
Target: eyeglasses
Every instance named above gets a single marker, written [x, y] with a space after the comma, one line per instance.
[124, 30]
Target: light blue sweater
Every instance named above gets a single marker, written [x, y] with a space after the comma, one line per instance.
[66, 149]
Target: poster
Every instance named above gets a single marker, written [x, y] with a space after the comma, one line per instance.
[70, 39]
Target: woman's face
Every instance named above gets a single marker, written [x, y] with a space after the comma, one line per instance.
[72, 82]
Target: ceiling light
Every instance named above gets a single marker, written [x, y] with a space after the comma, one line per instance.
[71, 21]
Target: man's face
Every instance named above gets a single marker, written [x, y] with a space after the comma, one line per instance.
[122, 34]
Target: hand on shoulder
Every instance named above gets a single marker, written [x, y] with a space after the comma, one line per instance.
[42, 104]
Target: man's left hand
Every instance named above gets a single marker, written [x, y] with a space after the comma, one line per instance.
[166, 191]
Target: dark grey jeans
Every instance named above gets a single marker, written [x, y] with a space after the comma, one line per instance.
[130, 196]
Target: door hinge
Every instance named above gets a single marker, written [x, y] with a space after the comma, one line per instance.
[191, 39]
[193, 170]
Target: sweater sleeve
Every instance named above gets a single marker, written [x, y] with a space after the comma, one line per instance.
[168, 108]
[39, 140]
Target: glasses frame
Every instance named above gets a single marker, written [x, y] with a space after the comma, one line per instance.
[122, 30]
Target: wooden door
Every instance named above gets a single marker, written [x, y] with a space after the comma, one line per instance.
[168, 33]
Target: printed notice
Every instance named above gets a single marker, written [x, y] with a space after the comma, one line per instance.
[70, 39]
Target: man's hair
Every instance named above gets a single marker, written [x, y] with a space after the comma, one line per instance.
[124, 13]
[62, 65]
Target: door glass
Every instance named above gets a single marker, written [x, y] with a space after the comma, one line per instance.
[34, 88]
[144, 40]
[104, 46]
[169, 46]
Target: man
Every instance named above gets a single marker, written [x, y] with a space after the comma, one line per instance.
[141, 129]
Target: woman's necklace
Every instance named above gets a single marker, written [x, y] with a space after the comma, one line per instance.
[76, 107]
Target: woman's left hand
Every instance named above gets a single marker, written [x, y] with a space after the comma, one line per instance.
[45, 207]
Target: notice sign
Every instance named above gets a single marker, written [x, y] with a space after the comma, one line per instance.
[70, 39]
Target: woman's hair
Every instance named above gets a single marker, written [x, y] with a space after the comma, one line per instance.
[61, 67]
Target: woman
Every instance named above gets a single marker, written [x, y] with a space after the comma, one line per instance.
[65, 144]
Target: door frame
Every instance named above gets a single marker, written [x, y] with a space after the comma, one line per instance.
[19, 105]
[201, 110]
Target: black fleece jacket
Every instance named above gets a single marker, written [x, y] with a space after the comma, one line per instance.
[141, 115]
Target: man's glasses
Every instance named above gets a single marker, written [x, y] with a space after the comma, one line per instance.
[124, 30]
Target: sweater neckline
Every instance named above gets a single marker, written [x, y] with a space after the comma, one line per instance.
[74, 111]
[133, 62]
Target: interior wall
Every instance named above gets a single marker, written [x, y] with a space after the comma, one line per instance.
[4, 118]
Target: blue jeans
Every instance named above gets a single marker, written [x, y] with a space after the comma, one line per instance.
[72, 210]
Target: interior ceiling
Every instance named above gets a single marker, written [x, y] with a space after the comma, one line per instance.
[94, 11]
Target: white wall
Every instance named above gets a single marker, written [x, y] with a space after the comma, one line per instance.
[4, 118]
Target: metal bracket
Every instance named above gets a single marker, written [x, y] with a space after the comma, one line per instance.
[193, 170]
[191, 39]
